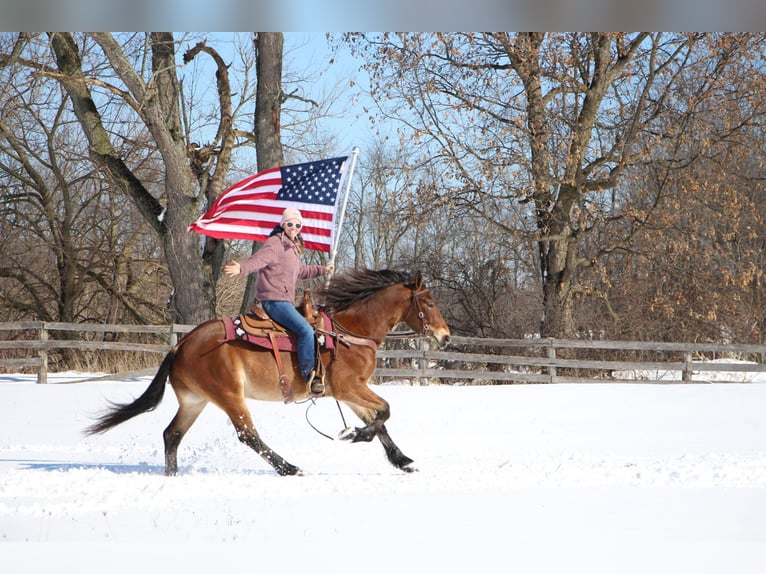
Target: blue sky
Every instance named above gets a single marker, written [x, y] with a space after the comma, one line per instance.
[309, 51]
[307, 56]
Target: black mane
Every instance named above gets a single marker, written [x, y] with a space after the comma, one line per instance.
[355, 285]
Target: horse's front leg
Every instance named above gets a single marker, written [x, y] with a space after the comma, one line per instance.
[394, 455]
[374, 419]
[375, 412]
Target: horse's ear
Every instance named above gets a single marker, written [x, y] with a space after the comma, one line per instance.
[418, 281]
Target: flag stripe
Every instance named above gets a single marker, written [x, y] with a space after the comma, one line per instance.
[251, 208]
[235, 224]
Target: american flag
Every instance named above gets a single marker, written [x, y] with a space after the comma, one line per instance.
[251, 208]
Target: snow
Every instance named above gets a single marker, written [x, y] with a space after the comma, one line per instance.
[707, 376]
[527, 478]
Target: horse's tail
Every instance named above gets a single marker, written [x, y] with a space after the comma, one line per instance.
[119, 413]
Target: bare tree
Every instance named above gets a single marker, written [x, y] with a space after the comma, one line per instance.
[558, 123]
[149, 135]
[113, 84]
[156, 103]
[383, 212]
[71, 250]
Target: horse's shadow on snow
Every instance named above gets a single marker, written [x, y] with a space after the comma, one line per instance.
[116, 468]
[119, 468]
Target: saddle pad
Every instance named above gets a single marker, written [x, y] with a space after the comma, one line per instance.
[285, 342]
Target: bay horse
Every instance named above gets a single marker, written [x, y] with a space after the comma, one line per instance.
[203, 367]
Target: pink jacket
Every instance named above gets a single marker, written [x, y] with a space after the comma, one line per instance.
[279, 267]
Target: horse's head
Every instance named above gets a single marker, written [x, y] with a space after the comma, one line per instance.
[424, 316]
[368, 303]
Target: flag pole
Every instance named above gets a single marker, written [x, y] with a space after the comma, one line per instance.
[342, 214]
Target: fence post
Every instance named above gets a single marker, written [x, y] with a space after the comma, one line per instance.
[686, 374]
[552, 357]
[423, 343]
[172, 336]
[42, 373]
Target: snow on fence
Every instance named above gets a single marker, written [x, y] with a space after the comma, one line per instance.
[468, 360]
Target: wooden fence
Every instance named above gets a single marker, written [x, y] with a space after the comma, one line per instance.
[575, 361]
[467, 360]
[39, 346]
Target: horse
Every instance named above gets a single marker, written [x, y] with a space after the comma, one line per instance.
[203, 367]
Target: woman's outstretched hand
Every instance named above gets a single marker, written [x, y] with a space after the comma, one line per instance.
[231, 269]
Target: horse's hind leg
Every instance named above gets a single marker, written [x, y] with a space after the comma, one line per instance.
[190, 406]
[243, 424]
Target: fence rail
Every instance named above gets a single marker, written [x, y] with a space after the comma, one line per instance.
[42, 344]
[468, 359]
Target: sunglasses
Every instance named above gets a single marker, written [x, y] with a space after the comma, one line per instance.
[291, 224]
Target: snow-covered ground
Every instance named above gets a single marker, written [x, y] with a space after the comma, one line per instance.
[525, 478]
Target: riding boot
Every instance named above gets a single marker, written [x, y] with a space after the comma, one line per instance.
[316, 378]
[315, 382]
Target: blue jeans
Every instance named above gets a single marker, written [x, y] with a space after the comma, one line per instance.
[285, 313]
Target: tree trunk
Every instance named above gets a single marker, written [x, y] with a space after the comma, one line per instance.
[555, 238]
[268, 106]
[193, 300]
[211, 185]
[558, 256]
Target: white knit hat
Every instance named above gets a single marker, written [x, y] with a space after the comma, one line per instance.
[291, 214]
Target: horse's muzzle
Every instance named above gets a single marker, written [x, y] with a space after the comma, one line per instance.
[442, 339]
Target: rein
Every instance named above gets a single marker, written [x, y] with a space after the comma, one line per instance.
[348, 337]
[311, 403]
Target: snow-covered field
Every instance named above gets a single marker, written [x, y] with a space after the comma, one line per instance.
[526, 478]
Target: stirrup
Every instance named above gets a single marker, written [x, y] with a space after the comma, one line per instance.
[316, 384]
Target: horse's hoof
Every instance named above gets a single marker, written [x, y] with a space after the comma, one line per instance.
[409, 468]
[347, 434]
[289, 470]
